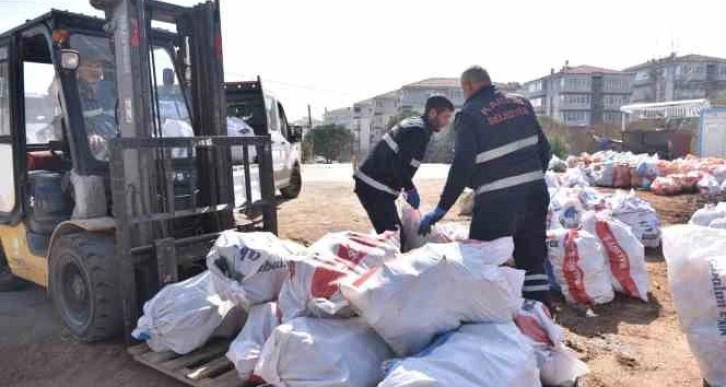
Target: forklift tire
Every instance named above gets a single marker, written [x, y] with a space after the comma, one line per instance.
[293, 190]
[84, 287]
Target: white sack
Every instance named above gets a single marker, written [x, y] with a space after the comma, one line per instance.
[708, 185]
[639, 215]
[708, 214]
[552, 179]
[309, 352]
[436, 288]
[624, 252]
[440, 233]
[249, 268]
[475, 355]
[718, 223]
[696, 258]
[181, 317]
[311, 288]
[558, 365]
[579, 266]
[245, 350]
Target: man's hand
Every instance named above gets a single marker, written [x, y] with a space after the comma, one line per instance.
[430, 219]
[413, 198]
[99, 146]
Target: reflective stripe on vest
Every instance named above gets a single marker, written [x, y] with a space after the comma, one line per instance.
[92, 113]
[415, 163]
[391, 143]
[506, 149]
[510, 182]
[375, 184]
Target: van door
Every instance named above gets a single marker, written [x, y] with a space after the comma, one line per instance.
[281, 176]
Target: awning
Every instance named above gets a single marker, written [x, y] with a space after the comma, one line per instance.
[674, 109]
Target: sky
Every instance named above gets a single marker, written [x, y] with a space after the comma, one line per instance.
[330, 54]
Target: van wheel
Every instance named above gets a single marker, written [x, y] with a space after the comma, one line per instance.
[84, 285]
[293, 189]
[8, 282]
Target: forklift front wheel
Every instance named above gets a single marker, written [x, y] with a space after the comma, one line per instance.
[84, 285]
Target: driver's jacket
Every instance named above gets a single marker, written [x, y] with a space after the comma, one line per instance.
[95, 113]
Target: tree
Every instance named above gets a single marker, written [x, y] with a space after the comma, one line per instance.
[556, 133]
[331, 141]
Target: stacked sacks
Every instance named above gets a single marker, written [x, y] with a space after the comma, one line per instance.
[400, 301]
[249, 268]
[557, 364]
[182, 316]
[311, 288]
[624, 252]
[579, 266]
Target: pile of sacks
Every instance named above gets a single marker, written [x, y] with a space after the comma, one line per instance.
[592, 251]
[352, 310]
[568, 204]
[691, 174]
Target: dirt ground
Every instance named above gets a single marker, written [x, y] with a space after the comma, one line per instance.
[625, 343]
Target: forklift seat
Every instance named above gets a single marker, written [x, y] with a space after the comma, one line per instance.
[42, 160]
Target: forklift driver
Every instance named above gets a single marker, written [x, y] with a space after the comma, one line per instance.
[97, 104]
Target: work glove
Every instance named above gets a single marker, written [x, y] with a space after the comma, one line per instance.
[413, 198]
[430, 219]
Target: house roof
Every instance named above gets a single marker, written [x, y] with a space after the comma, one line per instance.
[673, 58]
[435, 83]
[585, 69]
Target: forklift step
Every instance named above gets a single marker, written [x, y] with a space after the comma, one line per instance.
[205, 367]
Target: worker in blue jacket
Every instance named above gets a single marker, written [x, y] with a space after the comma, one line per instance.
[502, 154]
[389, 168]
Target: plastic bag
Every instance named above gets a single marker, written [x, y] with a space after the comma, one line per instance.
[575, 177]
[708, 214]
[556, 164]
[249, 268]
[474, 355]
[639, 215]
[440, 233]
[572, 161]
[696, 259]
[245, 350]
[552, 179]
[579, 266]
[719, 172]
[624, 252]
[557, 364]
[603, 174]
[708, 185]
[621, 176]
[665, 186]
[181, 317]
[323, 352]
[410, 300]
[311, 289]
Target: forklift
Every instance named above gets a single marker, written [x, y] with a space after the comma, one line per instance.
[107, 195]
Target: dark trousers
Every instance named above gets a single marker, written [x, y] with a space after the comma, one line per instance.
[380, 207]
[520, 212]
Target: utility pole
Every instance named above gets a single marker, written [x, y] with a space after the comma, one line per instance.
[310, 118]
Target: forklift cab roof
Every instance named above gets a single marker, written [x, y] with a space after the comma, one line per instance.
[75, 22]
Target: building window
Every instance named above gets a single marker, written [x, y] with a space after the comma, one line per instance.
[615, 101]
[575, 83]
[618, 84]
[642, 76]
[722, 71]
[575, 99]
[576, 118]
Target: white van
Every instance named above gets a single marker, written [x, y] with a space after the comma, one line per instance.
[251, 111]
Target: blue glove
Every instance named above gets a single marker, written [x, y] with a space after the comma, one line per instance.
[430, 219]
[412, 198]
